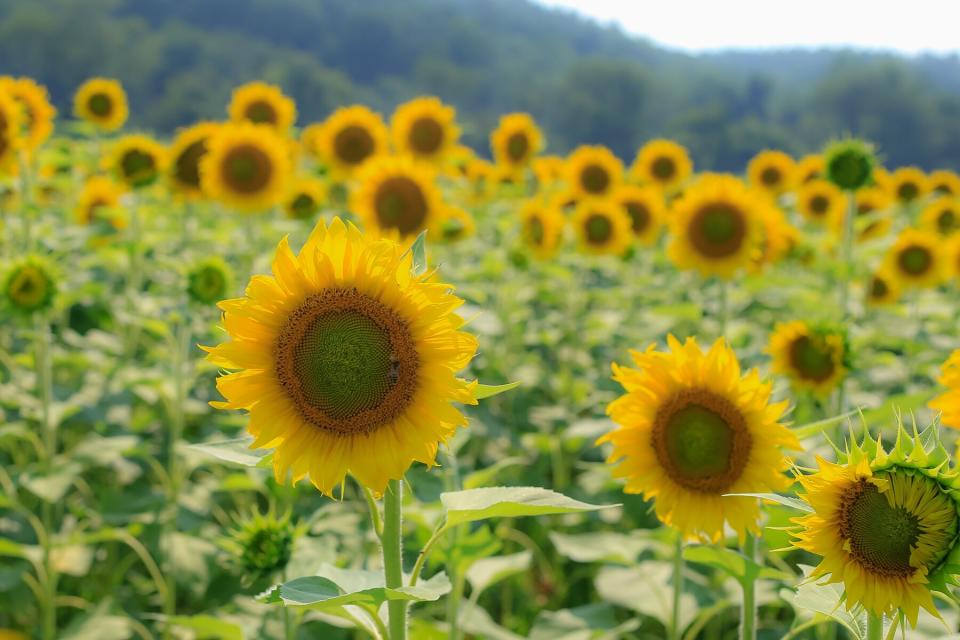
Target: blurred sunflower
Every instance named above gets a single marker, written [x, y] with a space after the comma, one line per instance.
[942, 216]
[882, 288]
[209, 280]
[778, 236]
[882, 179]
[814, 358]
[101, 102]
[715, 227]
[9, 131]
[305, 197]
[948, 404]
[602, 227]
[37, 112]
[454, 225]
[821, 202]
[548, 170]
[28, 285]
[425, 128]
[873, 213]
[593, 171]
[808, 169]
[916, 259]
[350, 137]
[481, 180]
[137, 161]
[541, 227]
[662, 162]
[99, 201]
[396, 195]
[310, 139]
[188, 148]
[246, 167]
[944, 182]
[771, 171]
[691, 429]
[908, 184]
[347, 361]
[262, 103]
[516, 141]
[646, 209]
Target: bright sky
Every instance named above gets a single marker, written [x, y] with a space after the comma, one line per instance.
[695, 25]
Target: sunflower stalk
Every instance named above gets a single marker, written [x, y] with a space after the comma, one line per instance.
[748, 616]
[874, 626]
[26, 202]
[674, 631]
[44, 371]
[393, 556]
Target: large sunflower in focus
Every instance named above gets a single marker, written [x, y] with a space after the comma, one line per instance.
[593, 171]
[515, 142]
[425, 129]
[37, 112]
[261, 103]
[908, 184]
[662, 162]
[188, 148]
[813, 358]
[771, 171]
[541, 227]
[944, 182]
[602, 227]
[351, 137]
[137, 161]
[102, 102]
[646, 209]
[821, 202]
[715, 226]
[917, 259]
[347, 362]
[396, 195]
[246, 166]
[692, 428]
[942, 216]
[9, 131]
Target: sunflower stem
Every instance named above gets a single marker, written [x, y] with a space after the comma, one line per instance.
[722, 308]
[674, 630]
[393, 556]
[874, 626]
[748, 616]
[44, 372]
[847, 256]
[26, 202]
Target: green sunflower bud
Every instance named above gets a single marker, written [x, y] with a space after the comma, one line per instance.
[261, 544]
[209, 281]
[29, 285]
[849, 164]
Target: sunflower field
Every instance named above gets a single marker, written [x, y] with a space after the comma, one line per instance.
[353, 379]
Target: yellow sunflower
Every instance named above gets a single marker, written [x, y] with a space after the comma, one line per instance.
[908, 184]
[942, 216]
[347, 362]
[37, 112]
[310, 139]
[948, 404]
[691, 429]
[99, 201]
[425, 128]
[188, 148]
[944, 182]
[516, 141]
[9, 132]
[28, 285]
[262, 103]
[821, 202]
[593, 171]
[645, 207]
[883, 523]
[396, 195]
[541, 227]
[602, 227]
[882, 288]
[771, 171]
[808, 169]
[305, 197]
[137, 161]
[813, 358]
[481, 180]
[662, 162]
[916, 259]
[778, 235]
[102, 102]
[246, 167]
[454, 225]
[715, 226]
[873, 214]
[350, 137]
[953, 253]
[548, 170]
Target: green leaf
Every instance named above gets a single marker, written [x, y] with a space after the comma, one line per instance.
[483, 391]
[11, 549]
[590, 622]
[787, 501]
[645, 588]
[486, 572]
[827, 599]
[208, 627]
[236, 450]
[52, 486]
[812, 429]
[485, 476]
[602, 546]
[419, 251]
[733, 563]
[472, 505]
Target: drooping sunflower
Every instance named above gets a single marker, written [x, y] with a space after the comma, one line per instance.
[715, 226]
[137, 161]
[516, 141]
[814, 358]
[99, 202]
[691, 429]
[37, 112]
[188, 148]
[602, 227]
[351, 137]
[28, 285]
[347, 360]
[882, 288]
[948, 404]
[541, 227]
[916, 259]
[9, 131]
[305, 197]
[454, 225]
[873, 214]
[425, 128]
[771, 171]
[646, 209]
[246, 166]
[909, 184]
[821, 202]
[944, 182]
[884, 524]
[593, 171]
[808, 169]
[662, 162]
[548, 170]
[102, 102]
[942, 216]
[264, 104]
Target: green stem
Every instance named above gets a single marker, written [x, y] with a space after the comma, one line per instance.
[748, 617]
[48, 429]
[393, 556]
[722, 309]
[847, 255]
[181, 337]
[874, 626]
[674, 630]
[26, 203]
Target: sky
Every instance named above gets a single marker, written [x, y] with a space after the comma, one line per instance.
[916, 26]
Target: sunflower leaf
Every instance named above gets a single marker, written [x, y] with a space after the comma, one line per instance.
[483, 391]
[236, 450]
[419, 252]
[472, 505]
[787, 501]
[812, 429]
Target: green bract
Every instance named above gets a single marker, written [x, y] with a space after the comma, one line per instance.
[849, 164]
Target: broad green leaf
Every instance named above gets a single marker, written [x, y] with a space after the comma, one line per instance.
[826, 599]
[645, 588]
[812, 429]
[11, 549]
[590, 622]
[787, 501]
[483, 391]
[73, 560]
[52, 486]
[418, 250]
[475, 620]
[733, 563]
[601, 546]
[208, 627]
[103, 451]
[236, 450]
[472, 505]
[488, 571]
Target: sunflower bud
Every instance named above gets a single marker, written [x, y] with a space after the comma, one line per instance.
[849, 164]
[261, 543]
[209, 281]
[29, 285]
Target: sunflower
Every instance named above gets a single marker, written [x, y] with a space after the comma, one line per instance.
[102, 102]
[942, 216]
[662, 162]
[715, 227]
[348, 361]
[9, 131]
[944, 182]
[425, 129]
[305, 197]
[37, 112]
[564, 201]
[352, 136]
[873, 213]
[908, 184]
[884, 524]
[394, 194]
[548, 170]
[516, 141]
[692, 429]
[602, 227]
[246, 166]
[771, 171]
[821, 202]
[481, 180]
[778, 236]
[808, 169]
[646, 209]
[190, 145]
[310, 139]
[814, 358]
[541, 227]
[137, 161]
[454, 225]
[882, 288]
[99, 202]
[593, 171]
[916, 259]
[28, 285]
[264, 104]
[850, 163]
[948, 404]
[457, 160]
[209, 280]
